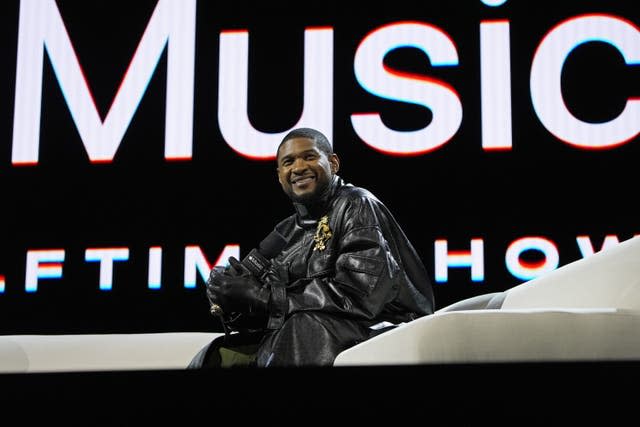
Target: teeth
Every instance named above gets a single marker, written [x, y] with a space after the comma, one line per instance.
[300, 179]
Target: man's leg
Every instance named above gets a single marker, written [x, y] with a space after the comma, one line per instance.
[236, 349]
[310, 338]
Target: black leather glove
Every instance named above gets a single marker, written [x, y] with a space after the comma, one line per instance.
[236, 289]
[214, 300]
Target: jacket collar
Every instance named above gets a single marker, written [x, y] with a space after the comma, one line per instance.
[308, 214]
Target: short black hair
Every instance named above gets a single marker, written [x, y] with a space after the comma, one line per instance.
[318, 138]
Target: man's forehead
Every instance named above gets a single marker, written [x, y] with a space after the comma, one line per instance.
[297, 145]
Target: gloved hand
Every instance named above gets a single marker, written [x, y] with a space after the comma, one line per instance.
[236, 289]
[214, 300]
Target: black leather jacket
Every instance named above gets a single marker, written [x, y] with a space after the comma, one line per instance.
[368, 270]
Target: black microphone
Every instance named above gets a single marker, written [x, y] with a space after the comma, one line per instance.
[258, 260]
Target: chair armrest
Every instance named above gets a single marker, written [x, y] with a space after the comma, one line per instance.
[97, 352]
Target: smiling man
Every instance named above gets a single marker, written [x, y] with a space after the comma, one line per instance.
[346, 272]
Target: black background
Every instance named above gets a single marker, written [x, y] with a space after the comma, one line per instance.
[541, 187]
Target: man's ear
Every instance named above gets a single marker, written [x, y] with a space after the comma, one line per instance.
[334, 161]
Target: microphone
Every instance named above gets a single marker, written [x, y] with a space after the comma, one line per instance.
[257, 261]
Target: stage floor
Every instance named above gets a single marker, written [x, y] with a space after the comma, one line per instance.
[457, 394]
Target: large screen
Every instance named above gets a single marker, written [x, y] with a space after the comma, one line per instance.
[138, 142]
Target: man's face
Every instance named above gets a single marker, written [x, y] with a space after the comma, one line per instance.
[304, 171]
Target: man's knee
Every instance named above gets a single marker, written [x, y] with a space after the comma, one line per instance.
[310, 338]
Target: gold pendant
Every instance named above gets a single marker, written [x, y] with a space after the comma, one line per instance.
[323, 233]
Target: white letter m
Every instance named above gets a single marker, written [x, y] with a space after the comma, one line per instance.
[41, 28]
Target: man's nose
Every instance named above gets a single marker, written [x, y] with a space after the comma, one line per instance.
[299, 165]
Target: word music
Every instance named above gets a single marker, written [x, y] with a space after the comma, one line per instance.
[172, 27]
[42, 265]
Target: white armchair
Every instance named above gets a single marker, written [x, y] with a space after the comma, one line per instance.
[588, 310]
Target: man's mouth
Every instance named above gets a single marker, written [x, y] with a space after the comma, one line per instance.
[302, 180]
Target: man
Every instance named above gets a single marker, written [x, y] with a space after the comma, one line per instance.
[347, 271]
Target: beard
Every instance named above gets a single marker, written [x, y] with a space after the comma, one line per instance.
[318, 194]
